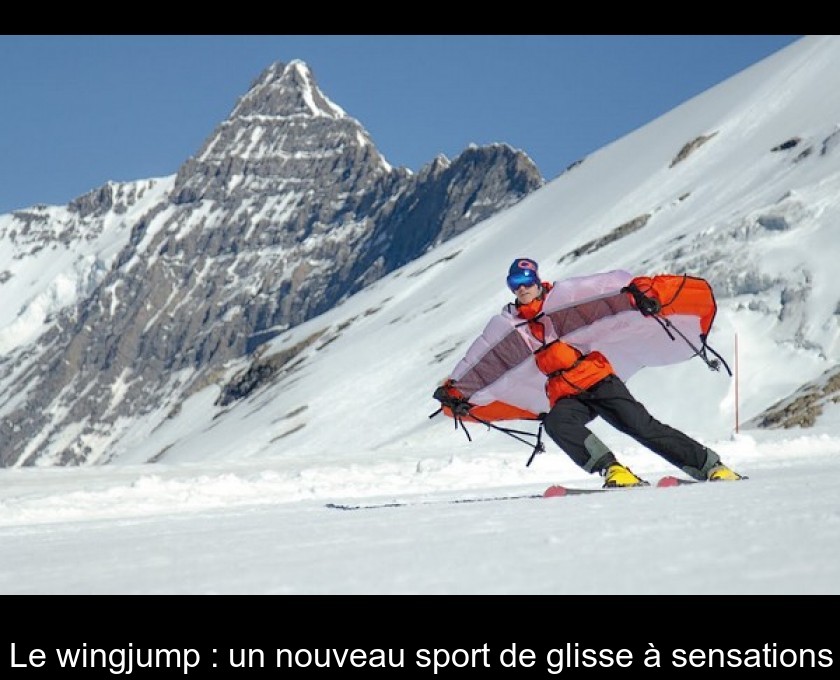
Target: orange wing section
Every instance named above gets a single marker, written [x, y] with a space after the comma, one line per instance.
[681, 295]
[496, 410]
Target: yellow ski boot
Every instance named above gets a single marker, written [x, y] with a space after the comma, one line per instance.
[721, 473]
[618, 476]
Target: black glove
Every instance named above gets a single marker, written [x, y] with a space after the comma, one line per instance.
[458, 405]
[648, 306]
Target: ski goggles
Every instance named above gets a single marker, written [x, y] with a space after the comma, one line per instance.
[525, 277]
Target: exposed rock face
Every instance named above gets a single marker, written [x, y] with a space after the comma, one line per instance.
[804, 407]
[287, 209]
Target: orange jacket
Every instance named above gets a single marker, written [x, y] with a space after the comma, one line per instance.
[568, 370]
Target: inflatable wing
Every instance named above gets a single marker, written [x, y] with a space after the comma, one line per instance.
[499, 376]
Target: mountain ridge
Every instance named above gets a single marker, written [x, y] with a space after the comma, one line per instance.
[285, 210]
[736, 185]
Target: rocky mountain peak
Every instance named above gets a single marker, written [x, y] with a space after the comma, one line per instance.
[286, 90]
[282, 131]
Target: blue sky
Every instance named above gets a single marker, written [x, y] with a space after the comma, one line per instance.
[80, 110]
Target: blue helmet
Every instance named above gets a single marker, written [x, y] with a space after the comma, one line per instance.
[523, 272]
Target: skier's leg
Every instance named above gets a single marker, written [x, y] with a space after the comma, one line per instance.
[566, 425]
[611, 399]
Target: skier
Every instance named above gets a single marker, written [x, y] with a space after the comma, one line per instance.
[580, 386]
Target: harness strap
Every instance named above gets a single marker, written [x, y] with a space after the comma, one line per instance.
[539, 447]
[719, 357]
[714, 364]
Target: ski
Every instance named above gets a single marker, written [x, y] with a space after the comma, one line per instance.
[662, 483]
[670, 480]
[553, 491]
[559, 490]
[449, 501]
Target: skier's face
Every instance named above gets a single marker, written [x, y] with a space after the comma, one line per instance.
[525, 294]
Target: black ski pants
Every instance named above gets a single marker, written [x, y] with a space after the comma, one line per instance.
[566, 424]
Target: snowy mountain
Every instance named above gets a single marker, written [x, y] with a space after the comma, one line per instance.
[133, 297]
[737, 185]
